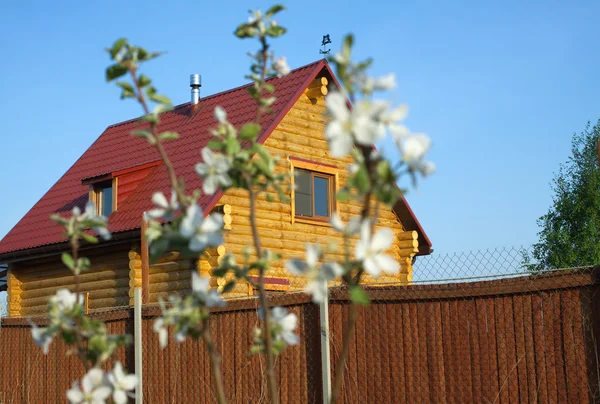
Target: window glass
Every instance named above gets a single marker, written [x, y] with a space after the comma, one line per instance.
[303, 199]
[106, 201]
[321, 196]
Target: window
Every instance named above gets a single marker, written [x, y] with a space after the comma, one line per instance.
[314, 194]
[103, 198]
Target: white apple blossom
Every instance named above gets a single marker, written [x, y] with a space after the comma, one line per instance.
[160, 328]
[122, 383]
[281, 67]
[214, 169]
[93, 389]
[97, 222]
[201, 287]
[220, 114]
[65, 300]
[164, 209]
[41, 337]
[202, 232]
[413, 148]
[370, 84]
[349, 229]
[285, 324]
[369, 250]
[316, 285]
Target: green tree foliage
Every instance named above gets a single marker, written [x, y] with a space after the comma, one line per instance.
[570, 235]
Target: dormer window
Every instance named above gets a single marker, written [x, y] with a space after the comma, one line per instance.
[104, 198]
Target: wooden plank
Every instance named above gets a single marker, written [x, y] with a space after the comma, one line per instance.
[527, 325]
[450, 379]
[502, 352]
[435, 353]
[475, 346]
[512, 360]
[520, 353]
[464, 348]
[561, 381]
[549, 312]
[409, 354]
[570, 312]
[541, 390]
[420, 326]
[398, 363]
[485, 350]
[590, 328]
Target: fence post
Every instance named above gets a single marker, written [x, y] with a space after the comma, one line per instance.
[325, 354]
[137, 342]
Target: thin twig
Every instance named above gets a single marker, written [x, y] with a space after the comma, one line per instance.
[353, 281]
[78, 336]
[161, 150]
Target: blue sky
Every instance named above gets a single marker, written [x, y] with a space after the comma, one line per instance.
[499, 86]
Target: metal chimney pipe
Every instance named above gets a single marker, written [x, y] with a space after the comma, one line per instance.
[195, 83]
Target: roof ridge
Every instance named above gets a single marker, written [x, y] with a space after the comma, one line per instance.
[186, 104]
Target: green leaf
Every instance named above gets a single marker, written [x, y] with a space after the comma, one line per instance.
[162, 108]
[343, 195]
[67, 259]
[215, 144]
[228, 287]
[219, 272]
[249, 131]
[89, 238]
[276, 31]
[125, 85]
[232, 146]
[150, 118]
[359, 296]
[163, 99]
[361, 180]
[117, 46]
[165, 136]
[245, 31]
[114, 72]
[274, 10]
[84, 263]
[144, 80]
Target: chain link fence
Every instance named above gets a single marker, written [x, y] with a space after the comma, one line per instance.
[475, 326]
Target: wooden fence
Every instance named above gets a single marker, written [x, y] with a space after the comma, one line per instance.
[521, 340]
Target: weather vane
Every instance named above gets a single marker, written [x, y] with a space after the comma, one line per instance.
[326, 40]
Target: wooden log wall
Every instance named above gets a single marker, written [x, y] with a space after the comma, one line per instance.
[34, 282]
[300, 136]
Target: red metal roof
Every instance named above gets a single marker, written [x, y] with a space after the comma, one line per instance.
[116, 150]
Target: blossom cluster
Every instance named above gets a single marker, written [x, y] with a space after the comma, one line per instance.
[96, 387]
[187, 314]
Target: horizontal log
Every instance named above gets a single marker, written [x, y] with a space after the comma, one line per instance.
[133, 255]
[170, 286]
[408, 235]
[413, 244]
[303, 124]
[170, 276]
[110, 302]
[316, 92]
[304, 104]
[45, 273]
[165, 295]
[85, 287]
[307, 115]
[318, 82]
[94, 294]
[69, 279]
[135, 283]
